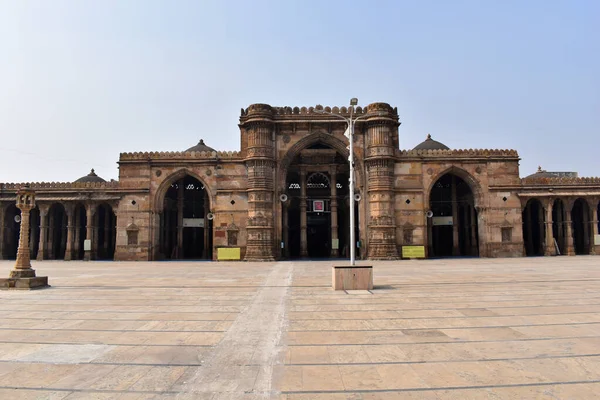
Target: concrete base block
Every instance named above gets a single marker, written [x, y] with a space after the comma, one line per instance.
[352, 278]
[37, 282]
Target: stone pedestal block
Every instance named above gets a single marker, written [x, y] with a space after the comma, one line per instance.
[352, 278]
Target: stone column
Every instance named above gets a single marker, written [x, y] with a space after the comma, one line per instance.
[382, 120]
[333, 208]
[89, 229]
[303, 218]
[206, 229]
[25, 202]
[43, 231]
[63, 233]
[32, 235]
[549, 247]
[70, 232]
[51, 230]
[2, 211]
[585, 217]
[529, 243]
[257, 125]
[593, 204]
[180, 196]
[76, 243]
[285, 228]
[106, 231]
[95, 234]
[569, 225]
[455, 236]
[473, 230]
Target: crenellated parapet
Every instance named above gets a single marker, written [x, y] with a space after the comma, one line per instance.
[179, 155]
[561, 181]
[309, 113]
[459, 153]
[60, 185]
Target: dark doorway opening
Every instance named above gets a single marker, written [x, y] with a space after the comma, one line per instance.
[559, 228]
[580, 217]
[57, 232]
[534, 228]
[185, 230]
[452, 229]
[107, 228]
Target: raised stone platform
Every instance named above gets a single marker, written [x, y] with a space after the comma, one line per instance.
[24, 280]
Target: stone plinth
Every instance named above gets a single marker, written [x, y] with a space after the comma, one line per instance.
[352, 278]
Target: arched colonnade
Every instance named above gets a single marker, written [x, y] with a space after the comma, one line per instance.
[59, 230]
[560, 225]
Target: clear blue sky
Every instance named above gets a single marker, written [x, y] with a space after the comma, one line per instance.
[81, 81]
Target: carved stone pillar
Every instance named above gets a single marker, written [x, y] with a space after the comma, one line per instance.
[593, 205]
[51, 230]
[473, 221]
[455, 236]
[180, 195]
[76, 243]
[63, 233]
[285, 229]
[569, 225]
[303, 219]
[381, 122]
[549, 246]
[89, 229]
[2, 210]
[95, 234]
[206, 229]
[529, 243]
[333, 208]
[106, 243]
[257, 124]
[43, 231]
[70, 232]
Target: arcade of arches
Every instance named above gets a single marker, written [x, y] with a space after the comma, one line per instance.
[185, 229]
[315, 219]
[560, 226]
[58, 231]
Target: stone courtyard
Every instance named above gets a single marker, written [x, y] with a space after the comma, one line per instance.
[431, 329]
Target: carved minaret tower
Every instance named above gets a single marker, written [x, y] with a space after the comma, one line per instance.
[257, 123]
[379, 161]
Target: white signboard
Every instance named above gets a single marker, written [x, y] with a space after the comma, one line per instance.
[87, 245]
[193, 222]
[597, 240]
[437, 221]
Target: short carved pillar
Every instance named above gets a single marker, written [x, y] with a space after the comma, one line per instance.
[23, 276]
[333, 208]
[593, 204]
[41, 254]
[549, 247]
[381, 122]
[303, 219]
[257, 129]
[569, 225]
[70, 232]
[89, 231]
[2, 209]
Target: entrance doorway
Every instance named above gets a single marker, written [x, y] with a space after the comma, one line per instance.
[534, 231]
[580, 215]
[315, 216]
[452, 227]
[185, 230]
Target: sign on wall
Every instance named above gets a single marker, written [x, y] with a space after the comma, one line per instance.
[87, 245]
[335, 244]
[437, 221]
[228, 253]
[597, 240]
[318, 206]
[413, 251]
[193, 222]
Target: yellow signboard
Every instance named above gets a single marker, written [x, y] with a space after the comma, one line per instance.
[413, 251]
[228, 253]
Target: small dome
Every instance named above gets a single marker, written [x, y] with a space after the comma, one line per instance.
[542, 173]
[430, 144]
[91, 177]
[201, 147]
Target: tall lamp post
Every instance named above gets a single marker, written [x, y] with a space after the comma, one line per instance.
[350, 121]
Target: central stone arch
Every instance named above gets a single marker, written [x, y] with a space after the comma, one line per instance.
[314, 138]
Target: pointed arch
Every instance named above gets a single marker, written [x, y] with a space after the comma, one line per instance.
[161, 192]
[324, 138]
[469, 179]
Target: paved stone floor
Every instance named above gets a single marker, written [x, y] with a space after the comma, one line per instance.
[439, 329]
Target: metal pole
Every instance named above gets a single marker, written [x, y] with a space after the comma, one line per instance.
[351, 160]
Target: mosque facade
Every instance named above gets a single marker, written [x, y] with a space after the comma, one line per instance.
[284, 195]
